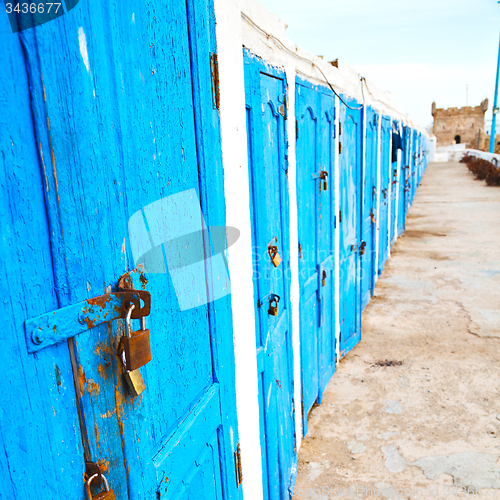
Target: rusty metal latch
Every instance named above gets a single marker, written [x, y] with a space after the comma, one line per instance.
[322, 175]
[362, 248]
[237, 466]
[56, 326]
[214, 73]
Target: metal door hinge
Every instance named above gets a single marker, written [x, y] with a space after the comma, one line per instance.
[340, 148]
[340, 128]
[214, 72]
[340, 216]
[282, 108]
[296, 129]
[237, 466]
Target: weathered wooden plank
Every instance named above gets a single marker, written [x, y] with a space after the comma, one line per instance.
[40, 440]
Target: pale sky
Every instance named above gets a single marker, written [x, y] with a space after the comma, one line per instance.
[418, 50]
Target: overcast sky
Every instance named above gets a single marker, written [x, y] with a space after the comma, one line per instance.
[418, 50]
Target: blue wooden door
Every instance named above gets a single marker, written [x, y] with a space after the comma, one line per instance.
[394, 188]
[369, 206]
[420, 158]
[315, 143]
[385, 159]
[112, 111]
[414, 170]
[404, 181]
[350, 228]
[265, 95]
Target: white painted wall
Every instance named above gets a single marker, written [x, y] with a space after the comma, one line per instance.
[432, 148]
[236, 189]
[458, 155]
[247, 23]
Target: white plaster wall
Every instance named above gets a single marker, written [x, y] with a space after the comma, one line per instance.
[237, 194]
[458, 155]
[432, 148]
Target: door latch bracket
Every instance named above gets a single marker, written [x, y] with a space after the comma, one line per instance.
[59, 325]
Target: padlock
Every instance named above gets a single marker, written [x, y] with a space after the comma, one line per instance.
[362, 248]
[275, 256]
[323, 176]
[134, 379]
[324, 277]
[136, 345]
[273, 310]
[104, 495]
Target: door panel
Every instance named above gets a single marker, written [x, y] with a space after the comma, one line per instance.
[404, 181]
[385, 162]
[350, 229]
[315, 142]
[369, 206]
[122, 120]
[414, 176]
[265, 90]
[394, 192]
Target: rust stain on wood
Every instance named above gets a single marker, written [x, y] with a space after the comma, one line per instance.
[94, 387]
[81, 378]
[103, 465]
[96, 432]
[53, 158]
[108, 414]
[102, 368]
[43, 165]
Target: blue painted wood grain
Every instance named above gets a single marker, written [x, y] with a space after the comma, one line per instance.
[122, 116]
[265, 89]
[315, 148]
[40, 440]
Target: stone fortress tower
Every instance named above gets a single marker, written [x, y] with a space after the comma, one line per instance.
[460, 126]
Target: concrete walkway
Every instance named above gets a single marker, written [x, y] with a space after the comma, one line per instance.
[414, 410]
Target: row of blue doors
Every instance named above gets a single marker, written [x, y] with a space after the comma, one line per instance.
[105, 112]
[102, 125]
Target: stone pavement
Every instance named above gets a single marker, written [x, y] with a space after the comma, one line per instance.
[414, 410]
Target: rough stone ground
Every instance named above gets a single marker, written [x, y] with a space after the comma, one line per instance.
[428, 425]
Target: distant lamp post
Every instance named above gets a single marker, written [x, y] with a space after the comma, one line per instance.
[495, 108]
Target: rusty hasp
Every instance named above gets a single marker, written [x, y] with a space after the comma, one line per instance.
[62, 324]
